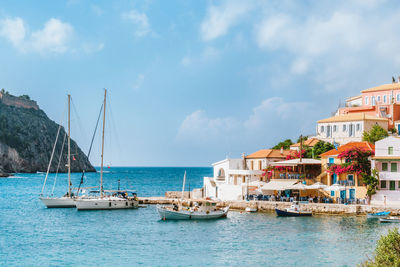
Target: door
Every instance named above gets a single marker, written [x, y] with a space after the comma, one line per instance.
[343, 194]
[334, 178]
[352, 194]
[350, 178]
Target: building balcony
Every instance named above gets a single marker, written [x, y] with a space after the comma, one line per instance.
[346, 183]
[393, 176]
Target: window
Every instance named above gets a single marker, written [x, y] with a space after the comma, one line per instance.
[379, 98]
[398, 98]
[373, 101]
[357, 127]
[344, 127]
[322, 129]
[384, 166]
[393, 167]
[384, 99]
[351, 130]
[332, 193]
[334, 128]
[390, 150]
[392, 185]
[383, 184]
[366, 100]
[399, 184]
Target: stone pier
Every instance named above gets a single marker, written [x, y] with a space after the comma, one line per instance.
[268, 206]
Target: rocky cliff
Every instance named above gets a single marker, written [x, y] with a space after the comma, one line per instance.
[27, 137]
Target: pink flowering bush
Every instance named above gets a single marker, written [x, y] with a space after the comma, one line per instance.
[356, 162]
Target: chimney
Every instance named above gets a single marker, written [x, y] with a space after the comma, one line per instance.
[398, 79]
[393, 79]
[281, 150]
[244, 161]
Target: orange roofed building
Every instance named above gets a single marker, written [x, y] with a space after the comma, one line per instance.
[350, 183]
[307, 143]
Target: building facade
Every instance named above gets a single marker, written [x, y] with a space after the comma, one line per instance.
[350, 183]
[387, 162]
[347, 128]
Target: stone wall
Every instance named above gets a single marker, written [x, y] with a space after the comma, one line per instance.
[19, 102]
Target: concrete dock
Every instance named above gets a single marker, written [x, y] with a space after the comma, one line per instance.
[268, 206]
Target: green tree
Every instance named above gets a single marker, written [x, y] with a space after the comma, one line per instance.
[375, 134]
[322, 147]
[387, 251]
[371, 181]
[304, 138]
[285, 144]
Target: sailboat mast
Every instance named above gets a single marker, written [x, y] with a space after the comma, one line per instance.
[183, 186]
[69, 147]
[102, 144]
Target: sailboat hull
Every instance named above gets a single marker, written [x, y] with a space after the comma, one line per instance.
[106, 204]
[58, 202]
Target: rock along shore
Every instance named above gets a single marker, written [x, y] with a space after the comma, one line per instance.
[268, 206]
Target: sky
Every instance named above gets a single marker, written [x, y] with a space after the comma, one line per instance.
[193, 82]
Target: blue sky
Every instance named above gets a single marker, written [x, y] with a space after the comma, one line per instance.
[191, 82]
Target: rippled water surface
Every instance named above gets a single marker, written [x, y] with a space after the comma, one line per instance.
[30, 234]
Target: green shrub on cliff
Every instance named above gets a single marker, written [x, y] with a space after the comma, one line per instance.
[387, 251]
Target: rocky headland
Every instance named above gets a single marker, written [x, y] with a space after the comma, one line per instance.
[27, 137]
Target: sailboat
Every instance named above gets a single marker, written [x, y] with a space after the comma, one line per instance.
[108, 199]
[202, 210]
[66, 201]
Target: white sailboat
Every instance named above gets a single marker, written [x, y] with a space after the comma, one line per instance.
[108, 199]
[201, 210]
[66, 201]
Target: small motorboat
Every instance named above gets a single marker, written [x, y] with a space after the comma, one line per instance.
[293, 211]
[378, 215]
[250, 209]
[202, 210]
[390, 219]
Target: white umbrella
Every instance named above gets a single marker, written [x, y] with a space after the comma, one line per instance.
[299, 186]
[317, 185]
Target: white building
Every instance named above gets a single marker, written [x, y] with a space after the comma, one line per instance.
[233, 177]
[347, 128]
[230, 181]
[387, 163]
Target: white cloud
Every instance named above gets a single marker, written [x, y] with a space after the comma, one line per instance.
[54, 37]
[272, 120]
[140, 20]
[220, 18]
[209, 54]
[13, 30]
[199, 128]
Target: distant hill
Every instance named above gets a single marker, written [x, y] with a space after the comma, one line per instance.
[27, 136]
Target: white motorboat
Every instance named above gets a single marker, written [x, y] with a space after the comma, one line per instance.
[250, 209]
[293, 211]
[203, 210]
[390, 219]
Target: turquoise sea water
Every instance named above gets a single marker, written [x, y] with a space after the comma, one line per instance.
[31, 235]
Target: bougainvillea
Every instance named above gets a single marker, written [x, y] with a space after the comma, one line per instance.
[356, 161]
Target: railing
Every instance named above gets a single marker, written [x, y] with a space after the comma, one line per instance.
[346, 183]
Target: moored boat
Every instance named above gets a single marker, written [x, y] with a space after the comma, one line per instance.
[293, 211]
[58, 202]
[113, 199]
[378, 215]
[202, 210]
[250, 209]
[390, 219]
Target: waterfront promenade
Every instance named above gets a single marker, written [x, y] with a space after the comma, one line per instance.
[267, 206]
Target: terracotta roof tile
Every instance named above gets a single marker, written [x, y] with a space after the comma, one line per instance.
[388, 86]
[353, 117]
[269, 153]
[363, 145]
